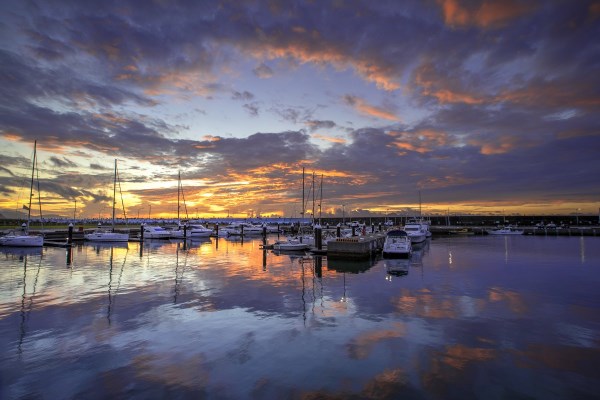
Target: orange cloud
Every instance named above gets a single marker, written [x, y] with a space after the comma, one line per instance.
[364, 108]
[309, 47]
[330, 139]
[489, 13]
[421, 141]
[501, 145]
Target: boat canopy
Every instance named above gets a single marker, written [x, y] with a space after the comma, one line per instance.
[397, 232]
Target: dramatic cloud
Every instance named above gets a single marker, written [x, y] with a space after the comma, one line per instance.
[474, 102]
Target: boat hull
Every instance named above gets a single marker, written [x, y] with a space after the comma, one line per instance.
[107, 237]
[22, 241]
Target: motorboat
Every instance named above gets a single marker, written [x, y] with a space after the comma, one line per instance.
[199, 230]
[178, 232]
[291, 244]
[106, 235]
[506, 230]
[156, 232]
[242, 229]
[461, 231]
[417, 231]
[397, 244]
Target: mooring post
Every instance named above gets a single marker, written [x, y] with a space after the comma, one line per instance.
[141, 232]
[318, 266]
[338, 231]
[185, 231]
[372, 228]
[217, 229]
[353, 230]
[318, 237]
[70, 235]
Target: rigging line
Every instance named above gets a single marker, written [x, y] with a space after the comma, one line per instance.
[184, 204]
[37, 172]
[31, 187]
[121, 193]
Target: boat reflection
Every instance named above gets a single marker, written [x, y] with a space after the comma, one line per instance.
[102, 246]
[350, 265]
[21, 252]
[396, 266]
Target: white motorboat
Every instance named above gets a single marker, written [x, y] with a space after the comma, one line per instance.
[177, 232]
[291, 244]
[416, 231]
[397, 244]
[156, 232]
[506, 230]
[22, 238]
[245, 229]
[199, 230]
[104, 234]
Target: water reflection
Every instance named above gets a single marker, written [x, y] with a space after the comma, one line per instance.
[222, 319]
[26, 304]
[113, 295]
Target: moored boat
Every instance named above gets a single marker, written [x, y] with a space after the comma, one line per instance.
[108, 235]
[416, 231]
[199, 230]
[397, 244]
[506, 230]
[23, 238]
[291, 244]
[156, 232]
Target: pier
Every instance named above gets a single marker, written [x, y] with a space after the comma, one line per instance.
[355, 247]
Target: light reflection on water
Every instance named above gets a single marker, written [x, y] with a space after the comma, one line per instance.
[487, 317]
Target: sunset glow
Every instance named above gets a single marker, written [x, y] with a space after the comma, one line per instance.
[483, 107]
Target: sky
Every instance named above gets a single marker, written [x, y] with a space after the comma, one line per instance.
[456, 106]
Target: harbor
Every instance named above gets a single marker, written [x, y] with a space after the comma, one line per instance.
[181, 318]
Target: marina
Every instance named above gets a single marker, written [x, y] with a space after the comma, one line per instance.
[473, 316]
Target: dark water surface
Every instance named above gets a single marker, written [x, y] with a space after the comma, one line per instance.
[474, 317]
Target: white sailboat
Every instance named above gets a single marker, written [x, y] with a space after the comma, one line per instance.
[22, 238]
[105, 235]
[179, 232]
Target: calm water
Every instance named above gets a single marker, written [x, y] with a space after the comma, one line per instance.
[474, 317]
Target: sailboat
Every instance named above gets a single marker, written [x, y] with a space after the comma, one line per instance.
[298, 242]
[105, 235]
[23, 238]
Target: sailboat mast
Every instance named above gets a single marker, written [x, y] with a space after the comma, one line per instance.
[178, 192]
[31, 188]
[320, 199]
[420, 215]
[313, 195]
[114, 196]
[302, 210]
